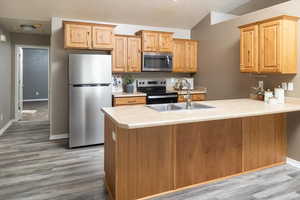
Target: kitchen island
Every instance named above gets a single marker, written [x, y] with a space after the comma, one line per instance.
[149, 153]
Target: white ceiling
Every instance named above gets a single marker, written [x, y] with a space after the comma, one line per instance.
[167, 13]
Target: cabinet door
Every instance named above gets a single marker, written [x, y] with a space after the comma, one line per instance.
[264, 141]
[270, 44]
[77, 36]
[150, 41]
[191, 51]
[179, 56]
[249, 49]
[102, 37]
[134, 54]
[120, 54]
[165, 42]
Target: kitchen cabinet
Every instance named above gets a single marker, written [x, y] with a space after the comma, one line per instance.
[270, 46]
[195, 97]
[102, 37]
[127, 54]
[185, 53]
[188, 154]
[249, 49]
[122, 101]
[264, 140]
[79, 35]
[156, 41]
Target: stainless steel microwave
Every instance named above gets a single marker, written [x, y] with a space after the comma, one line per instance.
[157, 62]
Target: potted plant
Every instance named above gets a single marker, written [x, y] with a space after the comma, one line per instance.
[128, 84]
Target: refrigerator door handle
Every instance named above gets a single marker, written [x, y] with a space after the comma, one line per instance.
[105, 84]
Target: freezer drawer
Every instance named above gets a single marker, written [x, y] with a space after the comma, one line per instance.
[86, 117]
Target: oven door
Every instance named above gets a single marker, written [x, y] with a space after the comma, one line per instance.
[157, 62]
[160, 99]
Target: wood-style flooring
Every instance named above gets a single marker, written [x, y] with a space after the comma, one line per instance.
[35, 111]
[33, 168]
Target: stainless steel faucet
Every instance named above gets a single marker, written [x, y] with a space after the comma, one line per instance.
[188, 97]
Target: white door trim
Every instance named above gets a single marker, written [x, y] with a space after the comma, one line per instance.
[18, 69]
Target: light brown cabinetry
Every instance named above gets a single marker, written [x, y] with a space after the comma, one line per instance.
[208, 150]
[264, 141]
[156, 41]
[122, 101]
[195, 97]
[127, 54]
[185, 53]
[270, 46]
[249, 49]
[184, 155]
[80, 35]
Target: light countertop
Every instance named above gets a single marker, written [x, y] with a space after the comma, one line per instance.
[140, 116]
[124, 94]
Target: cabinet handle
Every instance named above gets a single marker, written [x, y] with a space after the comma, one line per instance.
[114, 136]
[248, 57]
[133, 101]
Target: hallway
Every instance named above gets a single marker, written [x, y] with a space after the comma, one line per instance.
[35, 111]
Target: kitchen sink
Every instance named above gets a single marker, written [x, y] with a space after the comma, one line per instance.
[194, 106]
[178, 106]
[165, 107]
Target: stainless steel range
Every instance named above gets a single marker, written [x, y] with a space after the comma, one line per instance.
[156, 91]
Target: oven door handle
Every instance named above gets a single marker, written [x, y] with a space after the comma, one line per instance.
[162, 97]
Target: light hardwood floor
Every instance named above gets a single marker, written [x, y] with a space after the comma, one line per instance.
[33, 168]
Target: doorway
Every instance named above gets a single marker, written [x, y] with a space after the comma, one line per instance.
[32, 85]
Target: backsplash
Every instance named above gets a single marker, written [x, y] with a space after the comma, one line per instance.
[169, 77]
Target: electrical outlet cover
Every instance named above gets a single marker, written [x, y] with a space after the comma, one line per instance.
[290, 86]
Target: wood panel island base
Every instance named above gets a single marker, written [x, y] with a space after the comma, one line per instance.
[148, 161]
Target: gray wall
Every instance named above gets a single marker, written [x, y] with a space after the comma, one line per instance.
[5, 80]
[219, 56]
[35, 74]
[24, 39]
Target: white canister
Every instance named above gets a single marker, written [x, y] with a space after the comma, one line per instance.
[279, 95]
[268, 95]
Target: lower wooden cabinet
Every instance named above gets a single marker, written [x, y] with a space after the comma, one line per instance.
[207, 150]
[195, 97]
[122, 101]
[264, 139]
[185, 155]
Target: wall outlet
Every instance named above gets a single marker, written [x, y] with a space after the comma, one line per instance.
[284, 85]
[261, 84]
[290, 86]
[1, 117]
[37, 93]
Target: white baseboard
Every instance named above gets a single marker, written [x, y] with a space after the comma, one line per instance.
[6, 126]
[293, 162]
[32, 100]
[58, 137]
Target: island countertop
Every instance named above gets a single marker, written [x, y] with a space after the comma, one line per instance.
[140, 116]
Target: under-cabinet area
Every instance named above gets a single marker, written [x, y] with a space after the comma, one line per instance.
[186, 155]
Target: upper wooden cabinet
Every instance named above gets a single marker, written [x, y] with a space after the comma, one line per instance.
[80, 35]
[127, 54]
[270, 46]
[155, 41]
[77, 35]
[185, 54]
[249, 49]
[102, 37]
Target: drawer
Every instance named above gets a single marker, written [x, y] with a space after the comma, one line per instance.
[195, 97]
[198, 97]
[121, 101]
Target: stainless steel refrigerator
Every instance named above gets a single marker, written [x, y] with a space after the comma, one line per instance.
[90, 78]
